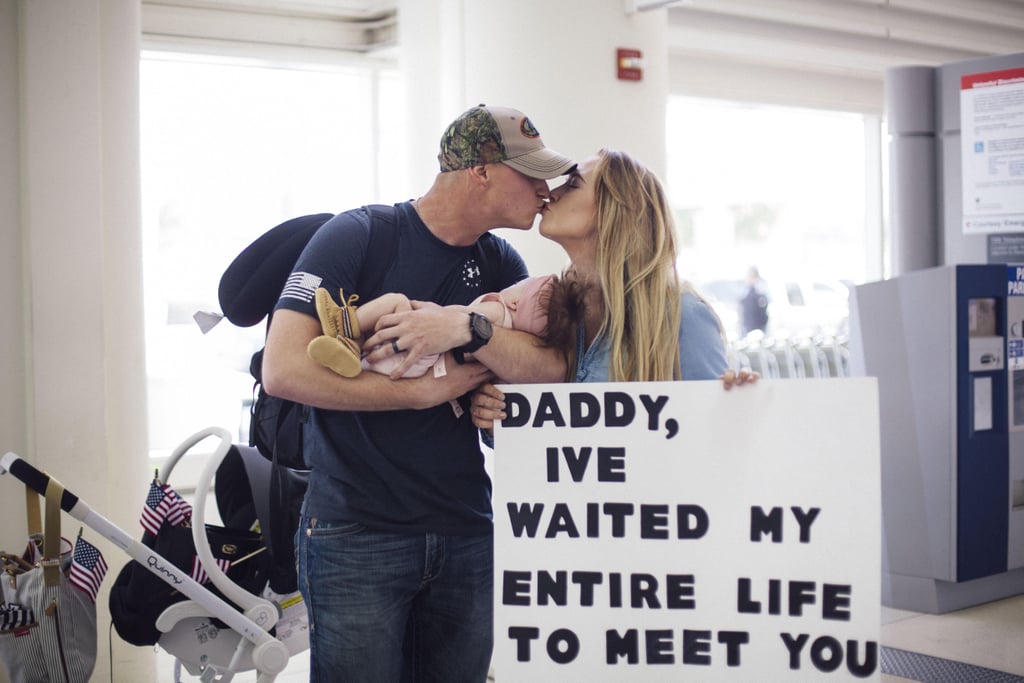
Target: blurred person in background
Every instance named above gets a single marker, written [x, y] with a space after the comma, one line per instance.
[754, 304]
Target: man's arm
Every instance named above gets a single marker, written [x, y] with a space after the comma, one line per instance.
[517, 356]
[288, 372]
[513, 355]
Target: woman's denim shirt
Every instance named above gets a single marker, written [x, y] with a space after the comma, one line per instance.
[701, 349]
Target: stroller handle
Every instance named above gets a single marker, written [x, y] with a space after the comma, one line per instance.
[269, 655]
[34, 479]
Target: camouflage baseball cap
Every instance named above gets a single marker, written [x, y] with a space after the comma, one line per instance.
[489, 135]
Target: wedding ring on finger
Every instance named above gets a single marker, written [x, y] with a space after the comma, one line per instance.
[394, 346]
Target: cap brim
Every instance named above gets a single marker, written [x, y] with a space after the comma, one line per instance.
[543, 164]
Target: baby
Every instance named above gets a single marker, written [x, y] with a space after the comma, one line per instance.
[522, 306]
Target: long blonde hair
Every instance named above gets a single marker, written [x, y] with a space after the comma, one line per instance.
[636, 257]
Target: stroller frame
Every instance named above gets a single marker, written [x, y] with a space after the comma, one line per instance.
[269, 655]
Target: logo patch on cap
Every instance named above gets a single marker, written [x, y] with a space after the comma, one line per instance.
[527, 129]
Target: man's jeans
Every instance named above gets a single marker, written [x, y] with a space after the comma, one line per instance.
[387, 607]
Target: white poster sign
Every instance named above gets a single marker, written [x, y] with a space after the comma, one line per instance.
[992, 151]
[672, 531]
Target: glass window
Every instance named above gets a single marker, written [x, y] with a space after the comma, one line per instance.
[776, 188]
[229, 150]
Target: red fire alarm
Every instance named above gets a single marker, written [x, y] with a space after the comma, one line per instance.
[630, 64]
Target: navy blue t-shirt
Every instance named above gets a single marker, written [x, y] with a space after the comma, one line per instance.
[402, 470]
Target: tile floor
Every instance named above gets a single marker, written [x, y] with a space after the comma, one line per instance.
[989, 635]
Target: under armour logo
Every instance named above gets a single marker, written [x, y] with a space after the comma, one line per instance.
[471, 273]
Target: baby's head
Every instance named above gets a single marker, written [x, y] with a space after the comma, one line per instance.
[528, 304]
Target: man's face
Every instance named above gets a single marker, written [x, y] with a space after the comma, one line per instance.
[517, 198]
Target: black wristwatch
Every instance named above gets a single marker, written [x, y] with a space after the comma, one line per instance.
[480, 331]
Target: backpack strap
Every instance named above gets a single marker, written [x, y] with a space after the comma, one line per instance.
[380, 250]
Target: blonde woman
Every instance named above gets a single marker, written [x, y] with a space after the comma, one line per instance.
[631, 317]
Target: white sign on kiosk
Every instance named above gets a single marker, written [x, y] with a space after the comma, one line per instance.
[992, 151]
[672, 530]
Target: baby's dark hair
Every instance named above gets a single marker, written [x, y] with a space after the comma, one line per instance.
[563, 301]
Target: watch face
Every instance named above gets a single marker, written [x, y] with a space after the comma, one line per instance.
[482, 327]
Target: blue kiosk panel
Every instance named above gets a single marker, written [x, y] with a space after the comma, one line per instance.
[982, 464]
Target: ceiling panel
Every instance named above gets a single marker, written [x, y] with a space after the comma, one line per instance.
[852, 42]
[850, 36]
[352, 10]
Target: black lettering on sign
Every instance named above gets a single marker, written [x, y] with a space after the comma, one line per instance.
[653, 521]
[611, 463]
[563, 645]
[659, 646]
[561, 588]
[771, 523]
[827, 654]
[789, 598]
[612, 409]
[523, 635]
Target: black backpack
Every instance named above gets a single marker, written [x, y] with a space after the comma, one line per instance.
[249, 290]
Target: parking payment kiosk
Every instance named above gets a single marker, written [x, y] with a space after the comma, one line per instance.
[947, 346]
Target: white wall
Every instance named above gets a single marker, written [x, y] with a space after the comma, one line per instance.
[71, 298]
[554, 61]
[13, 389]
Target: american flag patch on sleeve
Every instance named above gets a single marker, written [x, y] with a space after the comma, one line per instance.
[301, 286]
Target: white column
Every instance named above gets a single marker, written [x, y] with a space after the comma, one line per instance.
[79, 134]
[13, 429]
[430, 48]
[910, 106]
[556, 61]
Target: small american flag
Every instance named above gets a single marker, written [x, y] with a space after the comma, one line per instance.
[178, 509]
[301, 286]
[87, 568]
[199, 574]
[163, 503]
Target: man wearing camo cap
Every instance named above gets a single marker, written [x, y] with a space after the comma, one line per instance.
[395, 544]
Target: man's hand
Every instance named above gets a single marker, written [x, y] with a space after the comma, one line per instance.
[513, 355]
[458, 380]
[427, 329]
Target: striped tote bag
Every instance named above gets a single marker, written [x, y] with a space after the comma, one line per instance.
[48, 615]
